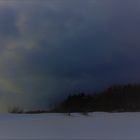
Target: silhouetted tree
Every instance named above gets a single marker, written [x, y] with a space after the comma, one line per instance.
[118, 98]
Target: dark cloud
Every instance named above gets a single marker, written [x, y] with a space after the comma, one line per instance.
[52, 48]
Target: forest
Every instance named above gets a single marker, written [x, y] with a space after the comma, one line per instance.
[118, 98]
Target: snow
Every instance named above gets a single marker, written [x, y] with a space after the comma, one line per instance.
[61, 126]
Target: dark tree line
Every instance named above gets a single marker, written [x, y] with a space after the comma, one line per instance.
[118, 98]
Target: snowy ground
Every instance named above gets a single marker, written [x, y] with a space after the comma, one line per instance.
[60, 126]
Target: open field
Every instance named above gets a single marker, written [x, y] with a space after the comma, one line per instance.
[61, 126]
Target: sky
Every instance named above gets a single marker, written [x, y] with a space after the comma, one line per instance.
[52, 48]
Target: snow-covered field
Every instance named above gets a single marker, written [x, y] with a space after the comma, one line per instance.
[60, 126]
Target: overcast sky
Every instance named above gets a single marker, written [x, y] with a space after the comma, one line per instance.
[51, 48]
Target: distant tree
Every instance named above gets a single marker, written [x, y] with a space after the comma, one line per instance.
[16, 110]
[117, 98]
